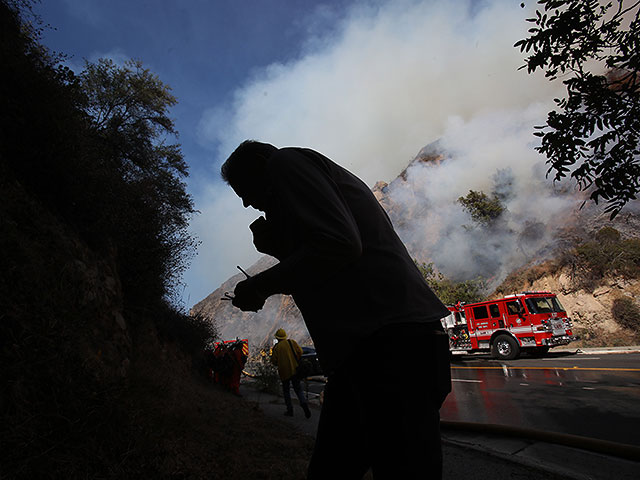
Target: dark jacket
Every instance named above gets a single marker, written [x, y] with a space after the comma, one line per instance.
[340, 258]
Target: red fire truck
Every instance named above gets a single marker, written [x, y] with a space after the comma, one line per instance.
[529, 321]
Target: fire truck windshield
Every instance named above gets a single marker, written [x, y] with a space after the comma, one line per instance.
[544, 305]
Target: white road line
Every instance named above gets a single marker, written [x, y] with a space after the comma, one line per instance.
[573, 359]
[465, 380]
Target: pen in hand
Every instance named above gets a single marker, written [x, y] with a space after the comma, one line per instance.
[227, 295]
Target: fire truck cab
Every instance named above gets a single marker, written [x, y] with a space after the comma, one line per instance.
[529, 321]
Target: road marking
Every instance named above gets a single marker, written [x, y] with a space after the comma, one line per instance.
[524, 384]
[465, 380]
[570, 359]
[588, 388]
[575, 367]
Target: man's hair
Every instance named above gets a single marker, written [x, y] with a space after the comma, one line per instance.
[249, 158]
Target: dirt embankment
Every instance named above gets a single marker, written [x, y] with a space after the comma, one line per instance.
[591, 309]
[190, 428]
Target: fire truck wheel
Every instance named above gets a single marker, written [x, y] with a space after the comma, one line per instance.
[505, 347]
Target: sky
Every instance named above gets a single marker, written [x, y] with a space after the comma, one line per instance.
[368, 83]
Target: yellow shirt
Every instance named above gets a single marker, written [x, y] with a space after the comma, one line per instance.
[283, 356]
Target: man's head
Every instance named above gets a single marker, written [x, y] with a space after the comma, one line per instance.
[244, 171]
[281, 334]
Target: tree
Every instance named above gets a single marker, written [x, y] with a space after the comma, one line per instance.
[128, 110]
[448, 291]
[593, 135]
[483, 209]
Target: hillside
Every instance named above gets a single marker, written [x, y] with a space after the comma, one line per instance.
[102, 377]
[96, 391]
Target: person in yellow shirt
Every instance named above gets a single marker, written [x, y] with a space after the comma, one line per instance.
[286, 355]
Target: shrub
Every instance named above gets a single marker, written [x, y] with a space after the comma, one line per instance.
[626, 313]
[266, 375]
[607, 255]
[191, 332]
[483, 209]
[608, 235]
[450, 292]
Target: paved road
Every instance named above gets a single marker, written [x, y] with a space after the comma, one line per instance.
[560, 383]
[463, 458]
[594, 395]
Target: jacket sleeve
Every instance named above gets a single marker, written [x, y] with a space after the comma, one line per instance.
[328, 238]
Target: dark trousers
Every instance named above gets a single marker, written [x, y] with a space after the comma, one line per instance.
[381, 409]
[286, 391]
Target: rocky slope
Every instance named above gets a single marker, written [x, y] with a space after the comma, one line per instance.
[590, 309]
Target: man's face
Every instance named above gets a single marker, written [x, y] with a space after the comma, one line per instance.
[253, 193]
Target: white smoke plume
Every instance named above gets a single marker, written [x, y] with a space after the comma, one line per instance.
[386, 83]
[491, 153]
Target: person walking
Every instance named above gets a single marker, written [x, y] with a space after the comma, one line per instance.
[374, 321]
[286, 356]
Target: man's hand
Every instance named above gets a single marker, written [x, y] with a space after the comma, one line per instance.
[264, 239]
[246, 296]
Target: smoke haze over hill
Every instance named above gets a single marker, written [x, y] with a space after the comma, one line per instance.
[491, 153]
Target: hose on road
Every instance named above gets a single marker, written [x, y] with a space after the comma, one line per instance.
[620, 450]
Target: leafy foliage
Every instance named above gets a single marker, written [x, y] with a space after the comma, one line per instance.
[93, 148]
[626, 313]
[128, 107]
[483, 209]
[611, 256]
[593, 135]
[266, 376]
[607, 255]
[523, 278]
[448, 291]
[191, 332]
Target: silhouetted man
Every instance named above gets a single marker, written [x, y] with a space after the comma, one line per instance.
[374, 321]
